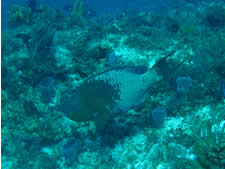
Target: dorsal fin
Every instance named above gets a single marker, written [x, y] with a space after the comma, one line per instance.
[131, 69]
[162, 66]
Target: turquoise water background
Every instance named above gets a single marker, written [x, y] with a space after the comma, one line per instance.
[123, 84]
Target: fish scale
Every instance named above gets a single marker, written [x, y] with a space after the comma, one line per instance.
[117, 90]
[128, 85]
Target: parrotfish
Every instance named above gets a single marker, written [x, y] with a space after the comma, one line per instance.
[105, 95]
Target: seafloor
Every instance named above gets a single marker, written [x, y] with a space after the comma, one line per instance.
[46, 55]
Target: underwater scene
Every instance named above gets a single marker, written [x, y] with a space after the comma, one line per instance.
[132, 84]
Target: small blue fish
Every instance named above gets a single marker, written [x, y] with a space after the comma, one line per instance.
[112, 58]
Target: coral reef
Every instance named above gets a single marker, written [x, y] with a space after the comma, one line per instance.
[46, 55]
[20, 15]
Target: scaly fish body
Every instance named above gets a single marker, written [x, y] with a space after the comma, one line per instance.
[114, 91]
[131, 87]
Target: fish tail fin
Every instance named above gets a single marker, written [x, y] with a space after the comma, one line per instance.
[165, 68]
[162, 66]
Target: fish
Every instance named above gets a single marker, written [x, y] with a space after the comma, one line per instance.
[103, 96]
[112, 58]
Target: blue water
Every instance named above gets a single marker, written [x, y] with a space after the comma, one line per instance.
[97, 84]
[100, 7]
